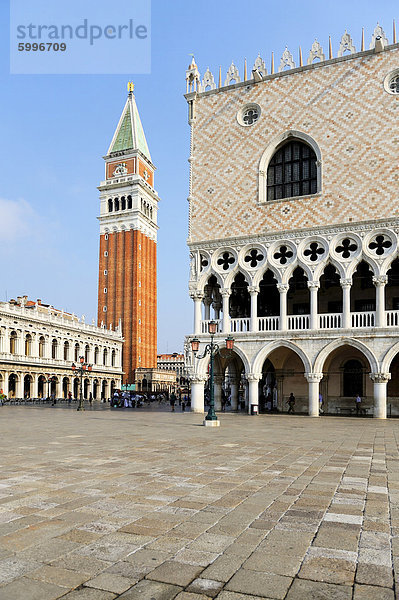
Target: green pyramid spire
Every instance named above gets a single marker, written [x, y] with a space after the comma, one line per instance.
[129, 134]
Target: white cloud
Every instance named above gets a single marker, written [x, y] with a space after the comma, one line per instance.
[18, 220]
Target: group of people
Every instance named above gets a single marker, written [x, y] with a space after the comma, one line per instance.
[183, 402]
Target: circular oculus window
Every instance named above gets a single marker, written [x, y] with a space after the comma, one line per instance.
[391, 83]
[248, 115]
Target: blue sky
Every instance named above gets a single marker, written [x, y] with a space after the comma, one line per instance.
[56, 128]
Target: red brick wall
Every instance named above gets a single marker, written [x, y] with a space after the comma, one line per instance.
[126, 251]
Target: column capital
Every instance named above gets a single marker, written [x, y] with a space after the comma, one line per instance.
[380, 377]
[218, 379]
[313, 285]
[198, 378]
[253, 376]
[380, 281]
[253, 289]
[314, 377]
[283, 288]
[225, 292]
[345, 283]
[196, 295]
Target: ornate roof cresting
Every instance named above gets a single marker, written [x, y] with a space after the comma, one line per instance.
[287, 60]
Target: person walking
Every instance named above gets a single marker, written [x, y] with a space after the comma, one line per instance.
[291, 404]
[358, 401]
[173, 401]
[321, 409]
[91, 398]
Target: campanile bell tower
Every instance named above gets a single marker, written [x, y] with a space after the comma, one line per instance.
[128, 239]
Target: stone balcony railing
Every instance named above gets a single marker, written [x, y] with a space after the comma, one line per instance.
[325, 321]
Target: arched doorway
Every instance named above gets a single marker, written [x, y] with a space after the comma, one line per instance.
[104, 389]
[12, 385]
[229, 384]
[41, 389]
[95, 389]
[283, 373]
[86, 388]
[28, 380]
[65, 387]
[53, 387]
[346, 374]
[112, 387]
[268, 396]
[76, 386]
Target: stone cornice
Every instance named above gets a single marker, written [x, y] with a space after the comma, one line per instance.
[297, 234]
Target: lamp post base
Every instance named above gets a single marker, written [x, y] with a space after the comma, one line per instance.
[211, 423]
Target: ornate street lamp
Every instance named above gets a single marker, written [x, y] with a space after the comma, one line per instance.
[80, 370]
[212, 349]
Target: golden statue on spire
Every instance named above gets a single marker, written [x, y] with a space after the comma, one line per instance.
[130, 86]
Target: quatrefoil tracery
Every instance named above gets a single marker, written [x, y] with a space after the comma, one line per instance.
[226, 260]
[346, 248]
[254, 257]
[380, 244]
[283, 254]
[314, 251]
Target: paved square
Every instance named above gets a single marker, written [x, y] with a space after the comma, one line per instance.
[151, 505]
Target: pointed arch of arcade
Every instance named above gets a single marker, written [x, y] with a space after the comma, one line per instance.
[289, 272]
[362, 259]
[233, 274]
[265, 352]
[327, 350]
[262, 272]
[319, 270]
[203, 282]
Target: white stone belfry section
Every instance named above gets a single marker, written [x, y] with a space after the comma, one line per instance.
[378, 33]
[232, 75]
[346, 45]
[208, 81]
[260, 66]
[287, 61]
[316, 52]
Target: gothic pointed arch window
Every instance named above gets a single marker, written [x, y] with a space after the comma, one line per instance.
[292, 171]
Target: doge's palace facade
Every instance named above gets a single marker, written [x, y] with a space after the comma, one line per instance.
[293, 229]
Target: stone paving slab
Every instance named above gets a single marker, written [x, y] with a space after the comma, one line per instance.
[150, 505]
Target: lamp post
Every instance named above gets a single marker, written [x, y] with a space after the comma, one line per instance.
[80, 370]
[212, 349]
